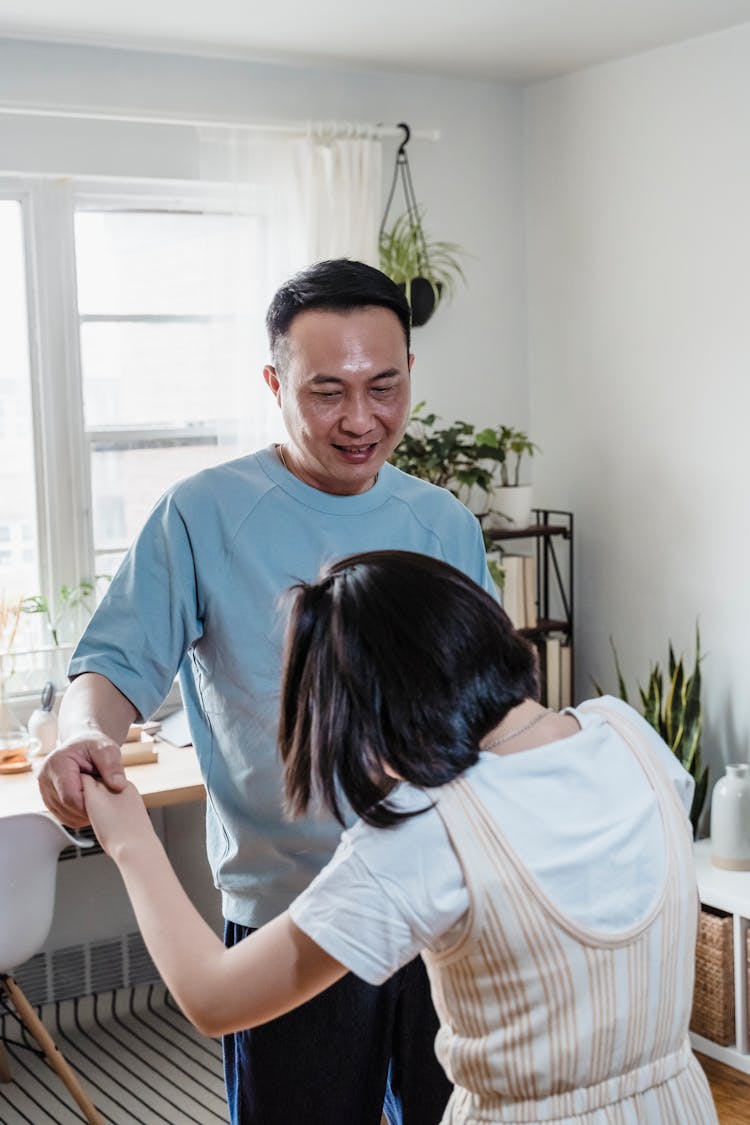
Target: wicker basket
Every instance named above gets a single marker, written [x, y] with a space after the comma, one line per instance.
[713, 999]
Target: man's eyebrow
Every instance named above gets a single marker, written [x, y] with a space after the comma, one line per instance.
[321, 377]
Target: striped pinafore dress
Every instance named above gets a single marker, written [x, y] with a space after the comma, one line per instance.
[543, 1020]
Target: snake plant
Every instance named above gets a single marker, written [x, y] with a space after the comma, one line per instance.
[672, 706]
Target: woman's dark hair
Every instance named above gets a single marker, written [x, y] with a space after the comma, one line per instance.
[338, 285]
[396, 660]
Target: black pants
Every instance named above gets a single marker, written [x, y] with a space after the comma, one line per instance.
[343, 1058]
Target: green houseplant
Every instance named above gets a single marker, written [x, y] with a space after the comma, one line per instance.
[69, 599]
[673, 708]
[30, 657]
[515, 444]
[427, 270]
[457, 457]
[512, 501]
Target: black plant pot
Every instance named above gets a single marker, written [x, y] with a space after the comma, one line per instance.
[423, 303]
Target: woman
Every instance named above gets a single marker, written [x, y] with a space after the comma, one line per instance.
[541, 862]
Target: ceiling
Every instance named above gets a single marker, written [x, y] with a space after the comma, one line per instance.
[507, 40]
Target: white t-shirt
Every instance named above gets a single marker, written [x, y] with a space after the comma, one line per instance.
[579, 812]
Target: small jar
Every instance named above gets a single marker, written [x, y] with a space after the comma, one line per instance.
[730, 819]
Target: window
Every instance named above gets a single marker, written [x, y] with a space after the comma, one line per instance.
[156, 312]
[17, 481]
[146, 302]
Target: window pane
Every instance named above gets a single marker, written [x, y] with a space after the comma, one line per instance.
[125, 485]
[143, 262]
[160, 341]
[19, 567]
[169, 373]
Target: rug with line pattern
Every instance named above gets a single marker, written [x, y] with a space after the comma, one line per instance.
[138, 1057]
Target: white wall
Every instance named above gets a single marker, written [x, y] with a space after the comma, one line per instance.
[470, 357]
[639, 349]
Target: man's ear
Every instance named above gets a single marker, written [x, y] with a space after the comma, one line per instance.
[411, 360]
[272, 381]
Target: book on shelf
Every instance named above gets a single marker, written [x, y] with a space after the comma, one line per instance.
[556, 671]
[566, 676]
[519, 590]
[513, 589]
[529, 591]
[552, 646]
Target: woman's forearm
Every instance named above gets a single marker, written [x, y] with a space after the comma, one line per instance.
[186, 951]
[220, 990]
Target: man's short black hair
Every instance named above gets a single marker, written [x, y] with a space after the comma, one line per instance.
[338, 284]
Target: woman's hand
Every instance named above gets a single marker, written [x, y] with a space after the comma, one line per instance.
[61, 776]
[118, 819]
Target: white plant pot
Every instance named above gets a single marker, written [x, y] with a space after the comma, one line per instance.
[475, 498]
[511, 508]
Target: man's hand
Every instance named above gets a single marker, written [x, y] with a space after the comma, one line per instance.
[94, 721]
[61, 777]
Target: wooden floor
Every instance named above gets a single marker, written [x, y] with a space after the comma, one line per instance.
[731, 1091]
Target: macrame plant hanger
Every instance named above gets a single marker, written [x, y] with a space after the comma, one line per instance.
[422, 295]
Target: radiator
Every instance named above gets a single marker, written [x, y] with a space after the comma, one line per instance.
[82, 970]
[88, 968]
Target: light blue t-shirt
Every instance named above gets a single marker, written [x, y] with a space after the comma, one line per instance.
[199, 593]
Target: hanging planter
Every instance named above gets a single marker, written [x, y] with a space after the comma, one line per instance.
[426, 270]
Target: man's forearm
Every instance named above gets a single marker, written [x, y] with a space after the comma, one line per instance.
[93, 705]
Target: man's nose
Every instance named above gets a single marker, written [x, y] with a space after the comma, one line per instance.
[358, 416]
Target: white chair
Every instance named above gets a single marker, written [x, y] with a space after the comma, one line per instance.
[29, 846]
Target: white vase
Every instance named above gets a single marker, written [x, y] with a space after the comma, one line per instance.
[730, 820]
[511, 508]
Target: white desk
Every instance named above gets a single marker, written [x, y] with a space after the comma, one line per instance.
[173, 780]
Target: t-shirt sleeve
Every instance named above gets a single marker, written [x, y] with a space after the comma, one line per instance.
[683, 782]
[386, 894]
[149, 616]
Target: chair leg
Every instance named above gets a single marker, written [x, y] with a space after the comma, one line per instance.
[51, 1052]
[5, 1073]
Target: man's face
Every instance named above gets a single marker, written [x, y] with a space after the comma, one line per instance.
[344, 395]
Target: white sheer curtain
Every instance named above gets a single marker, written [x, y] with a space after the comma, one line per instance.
[297, 200]
[338, 188]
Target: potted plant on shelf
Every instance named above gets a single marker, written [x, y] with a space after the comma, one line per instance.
[673, 708]
[426, 270]
[456, 457]
[512, 501]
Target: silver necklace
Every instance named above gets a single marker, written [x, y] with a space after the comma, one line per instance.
[512, 734]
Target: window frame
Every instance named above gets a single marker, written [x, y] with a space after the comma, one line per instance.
[62, 457]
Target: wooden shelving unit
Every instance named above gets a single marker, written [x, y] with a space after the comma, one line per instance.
[551, 536]
[729, 892]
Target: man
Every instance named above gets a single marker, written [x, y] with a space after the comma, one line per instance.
[199, 595]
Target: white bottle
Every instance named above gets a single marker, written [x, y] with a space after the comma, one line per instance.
[730, 820]
[42, 723]
[43, 726]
